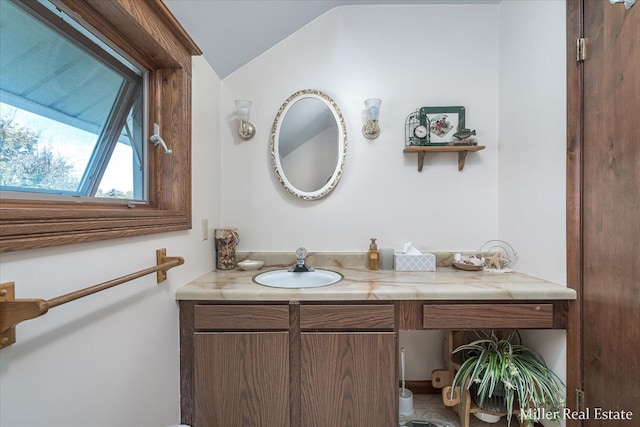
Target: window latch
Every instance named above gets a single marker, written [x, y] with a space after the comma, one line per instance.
[157, 139]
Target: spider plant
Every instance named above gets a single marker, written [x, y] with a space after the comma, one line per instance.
[495, 365]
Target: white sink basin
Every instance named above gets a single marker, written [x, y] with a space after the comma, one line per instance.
[289, 279]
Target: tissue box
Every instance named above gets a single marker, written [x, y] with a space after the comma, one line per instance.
[423, 262]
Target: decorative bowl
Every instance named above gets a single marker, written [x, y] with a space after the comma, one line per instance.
[468, 267]
[250, 265]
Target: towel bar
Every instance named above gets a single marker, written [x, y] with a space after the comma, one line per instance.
[14, 311]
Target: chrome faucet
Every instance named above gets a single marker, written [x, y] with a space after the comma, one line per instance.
[301, 267]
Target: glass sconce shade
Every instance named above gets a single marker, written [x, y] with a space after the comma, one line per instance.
[244, 108]
[246, 129]
[371, 129]
[373, 107]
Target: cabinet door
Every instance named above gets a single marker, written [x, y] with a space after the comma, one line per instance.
[241, 379]
[348, 379]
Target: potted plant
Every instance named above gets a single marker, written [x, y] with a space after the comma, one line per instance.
[494, 366]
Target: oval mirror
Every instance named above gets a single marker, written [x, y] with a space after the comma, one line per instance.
[308, 144]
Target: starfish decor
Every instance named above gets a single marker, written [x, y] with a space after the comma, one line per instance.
[496, 261]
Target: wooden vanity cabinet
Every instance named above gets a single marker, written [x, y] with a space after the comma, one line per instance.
[240, 365]
[288, 364]
[348, 365]
[317, 364]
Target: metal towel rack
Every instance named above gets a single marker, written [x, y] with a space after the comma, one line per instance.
[14, 311]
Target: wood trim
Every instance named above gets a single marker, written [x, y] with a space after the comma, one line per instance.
[144, 31]
[294, 364]
[396, 350]
[186, 362]
[560, 314]
[160, 40]
[410, 315]
[575, 100]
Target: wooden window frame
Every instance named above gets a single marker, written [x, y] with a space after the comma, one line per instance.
[146, 31]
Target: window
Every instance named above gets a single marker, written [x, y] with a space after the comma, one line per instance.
[101, 92]
[71, 109]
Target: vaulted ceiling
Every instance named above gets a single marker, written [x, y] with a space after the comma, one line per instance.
[231, 33]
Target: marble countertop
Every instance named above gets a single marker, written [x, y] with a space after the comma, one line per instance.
[446, 283]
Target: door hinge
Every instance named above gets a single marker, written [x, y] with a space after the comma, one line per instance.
[579, 400]
[581, 49]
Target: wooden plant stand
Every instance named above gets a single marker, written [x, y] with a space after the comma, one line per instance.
[460, 402]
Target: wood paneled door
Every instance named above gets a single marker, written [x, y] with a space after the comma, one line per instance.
[241, 379]
[348, 379]
[603, 210]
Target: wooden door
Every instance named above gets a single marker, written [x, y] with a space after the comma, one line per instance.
[348, 379]
[604, 209]
[241, 379]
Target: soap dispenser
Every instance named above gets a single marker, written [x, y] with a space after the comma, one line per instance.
[373, 256]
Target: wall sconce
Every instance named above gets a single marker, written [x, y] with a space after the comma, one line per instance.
[371, 129]
[246, 129]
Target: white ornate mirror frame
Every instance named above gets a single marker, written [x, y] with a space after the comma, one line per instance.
[276, 157]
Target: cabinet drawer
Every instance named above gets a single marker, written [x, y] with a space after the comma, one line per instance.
[487, 316]
[347, 316]
[241, 317]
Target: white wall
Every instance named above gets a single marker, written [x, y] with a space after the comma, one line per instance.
[532, 150]
[410, 56]
[111, 359]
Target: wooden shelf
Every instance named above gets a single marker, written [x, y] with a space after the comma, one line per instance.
[462, 151]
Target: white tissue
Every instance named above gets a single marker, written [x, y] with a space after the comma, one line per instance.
[410, 250]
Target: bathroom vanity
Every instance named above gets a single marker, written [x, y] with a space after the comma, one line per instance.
[262, 356]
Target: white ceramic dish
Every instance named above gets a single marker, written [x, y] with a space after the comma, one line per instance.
[250, 265]
[487, 418]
